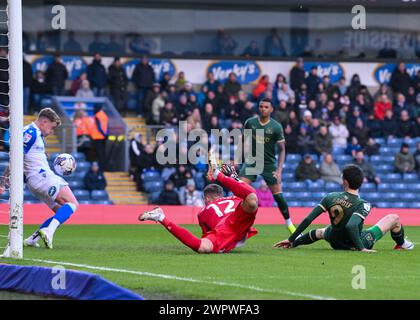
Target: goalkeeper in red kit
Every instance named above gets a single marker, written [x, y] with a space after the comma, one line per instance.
[226, 222]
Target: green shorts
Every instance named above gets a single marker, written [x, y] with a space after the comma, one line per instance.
[267, 174]
[340, 241]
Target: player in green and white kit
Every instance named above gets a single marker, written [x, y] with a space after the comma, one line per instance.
[347, 213]
[272, 172]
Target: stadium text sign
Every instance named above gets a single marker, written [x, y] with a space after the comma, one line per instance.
[246, 71]
[332, 69]
[383, 72]
[75, 65]
[160, 66]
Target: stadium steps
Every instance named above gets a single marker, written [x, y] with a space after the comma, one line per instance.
[122, 190]
[52, 143]
[138, 125]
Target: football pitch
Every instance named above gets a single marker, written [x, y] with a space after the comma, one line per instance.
[148, 260]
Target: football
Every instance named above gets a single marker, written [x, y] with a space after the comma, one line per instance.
[64, 164]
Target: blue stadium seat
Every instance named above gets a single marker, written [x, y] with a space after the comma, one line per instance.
[387, 151]
[414, 187]
[391, 196]
[76, 184]
[309, 204]
[150, 175]
[391, 177]
[293, 157]
[318, 195]
[81, 195]
[99, 195]
[103, 202]
[399, 187]
[384, 204]
[83, 166]
[305, 195]
[338, 151]
[35, 201]
[153, 186]
[384, 187]
[408, 196]
[153, 197]
[399, 205]
[376, 160]
[372, 196]
[298, 204]
[288, 177]
[384, 168]
[414, 205]
[79, 156]
[297, 186]
[78, 175]
[411, 177]
[411, 142]
[381, 141]
[3, 166]
[343, 158]
[85, 202]
[4, 196]
[394, 142]
[368, 187]
[332, 187]
[317, 185]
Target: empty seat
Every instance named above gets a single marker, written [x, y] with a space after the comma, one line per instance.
[297, 186]
[383, 204]
[332, 187]
[368, 187]
[153, 186]
[408, 196]
[81, 195]
[76, 184]
[153, 197]
[387, 151]
[83, 166]
[391, 177]
[318, 195]
[381, 141]
[150, 175]
[309, 204]
[102, 202]
[391, 196]
[384, 168]
[79, 156]
[399, 205]
[297, 204]
[293, 157]
[410, 177]
[288, 176]
[400, 187]
[414, 205]
[394, 142]
[99, 195]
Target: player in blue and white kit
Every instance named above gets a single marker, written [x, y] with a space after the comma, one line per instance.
[53, 190]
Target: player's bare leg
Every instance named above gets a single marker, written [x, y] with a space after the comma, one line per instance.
[183, 235]
[392, 223]
[276, 190]
[65, 207]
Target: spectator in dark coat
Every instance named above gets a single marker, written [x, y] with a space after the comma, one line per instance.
[305, 141]
[417, 158]
[323, 141]
[400, 79]
[252, 50]
[27, 81]
[143, 78]
[39, 89]
[291, 138]
[169, 196]
[181, 176]
[405, 126]
[389, 125]
[361, 132]
[312, 83]
[97, 76]
[307, 170]
[232, 86]
[168, 115]
[94, 178]
[297, 75]
[56, 76]
[404, 161]
[118, 85]
[368, 171]
[372, 147]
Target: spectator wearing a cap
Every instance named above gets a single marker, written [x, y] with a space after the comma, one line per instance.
[307, 170]
[94, 179]
[297, 75]
[339, 132]
[117, 80]
[404, 161]
[323, 141]
[189, 196]
[143, 78]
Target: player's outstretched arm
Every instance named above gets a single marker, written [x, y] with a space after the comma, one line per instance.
[352, 228]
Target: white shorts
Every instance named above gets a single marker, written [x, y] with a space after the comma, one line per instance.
[46, 186]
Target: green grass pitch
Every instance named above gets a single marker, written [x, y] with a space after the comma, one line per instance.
[149, 261]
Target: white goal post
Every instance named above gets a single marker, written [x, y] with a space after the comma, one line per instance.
[14, 27]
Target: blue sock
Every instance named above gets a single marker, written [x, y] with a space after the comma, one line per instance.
[64, 212]
[46, 223]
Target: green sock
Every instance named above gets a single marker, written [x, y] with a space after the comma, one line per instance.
[282, 205]
[307, 238]
[398, 237]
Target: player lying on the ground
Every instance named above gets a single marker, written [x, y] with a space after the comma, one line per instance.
[53, 190]
[347, 213]
[225, 221]
[272, 173]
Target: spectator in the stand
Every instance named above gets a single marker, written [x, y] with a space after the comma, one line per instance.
[354, 87]
[208, 113]
[383, 89]
[252, 50]
[97, 45]
[411, 97]
[372, 147]
[389, 125]
[305, 141]
[56, 76]
[84, 125]
[211, 82]
[97, 76]
[181, 176]
[361, 132]
[404, 161]
[232, 86]
[113, 46]
[139, 45]
[264, 195]
[224, 44]
[312, 82]
[342, 86]
[246, 112]
[353, 147]
[387, 52]
[330, 88]
[190, 196]
[381, 106]
[291, 138]
[77, 83]
[405, 126]
[180, 81]
[183, 108]
[284, 92]
[273, 45]
[400, 104]
[136, 149]
[168, 116]
[72, 44]
[143, 78]
[39, 89]
[158, 103]
[85, 92]
[367, 168]
[297, 75]
[282, 113]
[339, 132]
[261, 87]
[165, 81]
[118, 81]
[416, 127]
[293, 120]
[169, 196]
[194, 119]
[99, 134]
[416, 156]
[94, 178]
[416, 81]
[329, 170]
[400, 79]
[307, 170]
[323, 141]
[27, 81]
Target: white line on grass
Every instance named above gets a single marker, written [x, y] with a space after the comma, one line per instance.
[172, 277]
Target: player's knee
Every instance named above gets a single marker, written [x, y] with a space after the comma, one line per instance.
[394, 218]
[252, 202]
